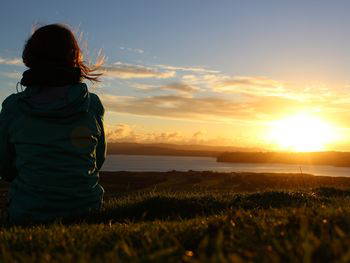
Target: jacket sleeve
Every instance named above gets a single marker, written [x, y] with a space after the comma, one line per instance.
[8, 170]
[101, 148]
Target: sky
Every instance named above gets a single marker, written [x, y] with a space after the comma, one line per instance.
[202, 72]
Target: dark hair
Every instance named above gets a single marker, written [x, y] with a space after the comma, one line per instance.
[56, 45]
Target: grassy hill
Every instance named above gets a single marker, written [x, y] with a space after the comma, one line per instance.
[197, 217]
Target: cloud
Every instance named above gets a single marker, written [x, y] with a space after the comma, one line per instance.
[182, 87]
[193, 69]
[12, 75]
[201, 108]
[254, 86]
[131, 71]
[136, 50]
[179, 87]
[207, 81]
[119, 132]
[190, 78]
[216, 97]
[11, 61]
[126, 133]
[257, 86]
[143, 86]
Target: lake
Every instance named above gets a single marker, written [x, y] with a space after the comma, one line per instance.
[184, 163]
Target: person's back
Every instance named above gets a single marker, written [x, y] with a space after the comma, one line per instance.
[52, 142]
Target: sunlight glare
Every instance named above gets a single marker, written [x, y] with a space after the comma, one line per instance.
[302, 132]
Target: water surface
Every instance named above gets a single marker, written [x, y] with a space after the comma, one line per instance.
[184, 163]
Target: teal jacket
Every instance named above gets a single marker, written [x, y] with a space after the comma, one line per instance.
[52, 153]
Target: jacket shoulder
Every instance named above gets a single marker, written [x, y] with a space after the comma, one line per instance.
[10, 103]
[96, 104]
[9, 110]
[9, 100]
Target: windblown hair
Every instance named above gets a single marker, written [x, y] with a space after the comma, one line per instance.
[55, 45]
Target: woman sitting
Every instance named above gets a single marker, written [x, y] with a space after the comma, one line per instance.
[52, 142]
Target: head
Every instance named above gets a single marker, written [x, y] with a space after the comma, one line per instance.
[55, 45]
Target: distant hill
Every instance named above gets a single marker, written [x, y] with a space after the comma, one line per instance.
[172, 149]
[312, 158]
[232, 154]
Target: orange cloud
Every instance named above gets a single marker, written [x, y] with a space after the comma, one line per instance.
[126, 133]
[201, 108]
[258, 86]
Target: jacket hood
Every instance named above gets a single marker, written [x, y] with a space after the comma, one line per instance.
[55, 102]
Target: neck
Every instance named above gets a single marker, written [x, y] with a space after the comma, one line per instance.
[51, 76]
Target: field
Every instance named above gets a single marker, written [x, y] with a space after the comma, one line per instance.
[197, 217]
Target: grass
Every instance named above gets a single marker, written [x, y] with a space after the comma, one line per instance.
[197, 217]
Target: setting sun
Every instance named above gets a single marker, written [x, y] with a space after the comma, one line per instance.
[302, 132]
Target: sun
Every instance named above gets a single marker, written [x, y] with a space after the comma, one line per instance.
[302, 132]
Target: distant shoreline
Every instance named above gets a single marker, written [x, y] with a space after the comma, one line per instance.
[336, 159]
[232, 154]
